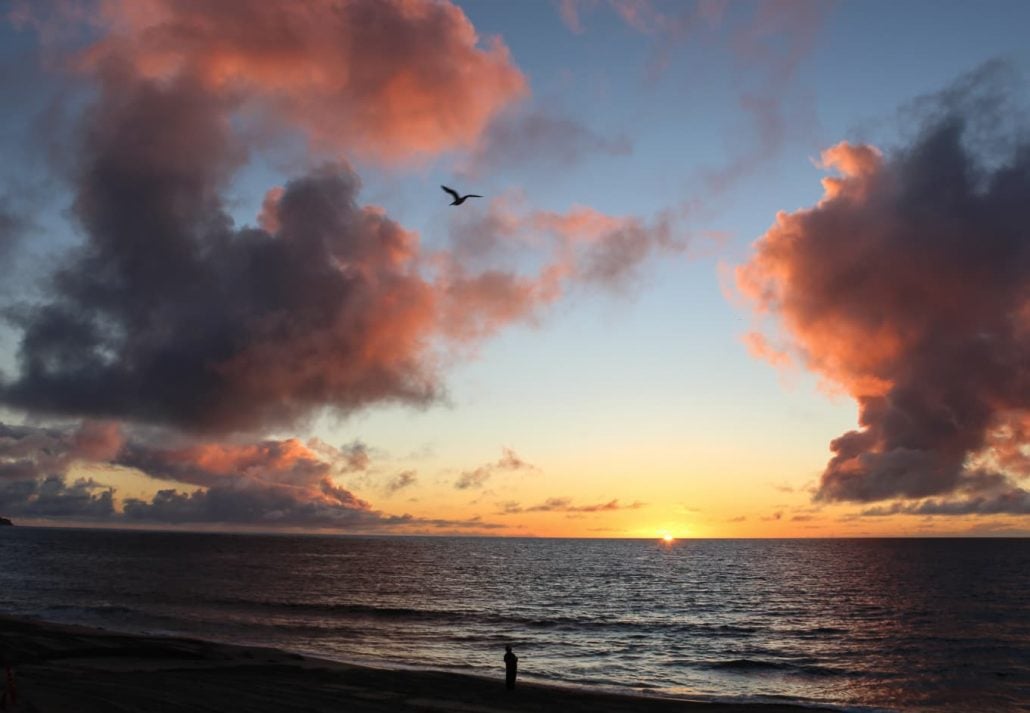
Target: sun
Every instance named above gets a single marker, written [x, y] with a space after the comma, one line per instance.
[668, 538]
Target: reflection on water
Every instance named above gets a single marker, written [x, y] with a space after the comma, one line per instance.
[906, 624]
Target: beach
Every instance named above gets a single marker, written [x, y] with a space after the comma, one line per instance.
[61, 668]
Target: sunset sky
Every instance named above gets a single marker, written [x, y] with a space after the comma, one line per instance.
[741, 269]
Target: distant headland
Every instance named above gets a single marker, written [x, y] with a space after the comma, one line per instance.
[4, 522]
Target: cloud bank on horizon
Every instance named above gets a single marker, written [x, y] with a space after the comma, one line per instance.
[266, 483]
[907, 287]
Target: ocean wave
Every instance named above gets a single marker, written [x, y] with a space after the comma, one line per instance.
[566, 623]
[765, 665]
[74, 610]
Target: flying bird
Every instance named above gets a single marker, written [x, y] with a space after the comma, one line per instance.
[458, 200]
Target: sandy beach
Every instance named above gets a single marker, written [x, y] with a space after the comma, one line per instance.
[71, 669]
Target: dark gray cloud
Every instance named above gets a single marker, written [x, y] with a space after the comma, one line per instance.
[169, 314]
[53, 497]
[270, 506]
[11, 227]
[909, 286]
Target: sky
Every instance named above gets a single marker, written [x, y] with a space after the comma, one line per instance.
[739, 269]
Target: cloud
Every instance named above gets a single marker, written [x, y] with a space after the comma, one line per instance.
[778, 515]
[907, 287]
[509, 262]
[765, 41]
[566, 505]
[392, 79]
[991, 528]
[264, 482]
[238, 503]
[269, 483]
[402, 480]
[759, 346]
[354, 456]
[569, 12]
[769, 44]
[97, 441]
[579, 247]
[769, 39]
[287, 462]
[1013, 502]
[31, 452]
[474, 479]
[170, 314]
[510, 460]
[11, 227]
[54, 497]
[541, 139]
[641, 15]
[34, 465]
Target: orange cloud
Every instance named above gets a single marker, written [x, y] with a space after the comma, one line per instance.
[858, 164]
[759, 346]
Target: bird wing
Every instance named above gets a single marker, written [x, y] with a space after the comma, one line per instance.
[453, 192]
[473, 195]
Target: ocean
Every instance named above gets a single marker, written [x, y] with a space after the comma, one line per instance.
[895, 624]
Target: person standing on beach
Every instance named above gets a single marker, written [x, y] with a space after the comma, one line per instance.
[511, 667]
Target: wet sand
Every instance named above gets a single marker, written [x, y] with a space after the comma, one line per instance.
[66, 669]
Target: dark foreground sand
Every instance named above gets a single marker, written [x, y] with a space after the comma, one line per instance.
[79, 670]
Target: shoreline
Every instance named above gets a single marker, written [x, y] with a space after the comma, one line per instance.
[65, 667]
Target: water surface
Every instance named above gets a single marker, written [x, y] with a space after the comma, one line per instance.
[906, 624]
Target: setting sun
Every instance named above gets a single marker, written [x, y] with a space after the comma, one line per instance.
[668, 538]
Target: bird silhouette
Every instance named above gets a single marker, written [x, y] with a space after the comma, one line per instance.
[458, 200]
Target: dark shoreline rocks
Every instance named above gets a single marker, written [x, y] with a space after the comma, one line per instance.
[4, 522]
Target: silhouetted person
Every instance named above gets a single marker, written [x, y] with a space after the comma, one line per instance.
[511, 667]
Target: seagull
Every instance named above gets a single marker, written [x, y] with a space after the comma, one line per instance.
[458, 200]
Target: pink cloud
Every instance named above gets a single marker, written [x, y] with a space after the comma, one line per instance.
[391, 79]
